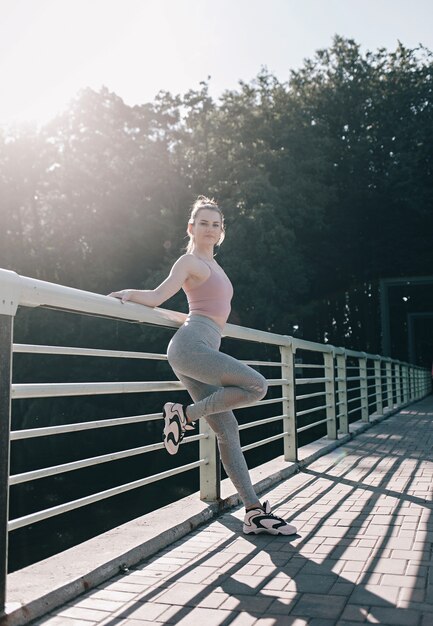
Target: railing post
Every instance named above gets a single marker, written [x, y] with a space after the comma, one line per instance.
[398, 384]
[331, 424]
[210, 474]
[6, 334]
[411, 382]
[378, 385]
[405, 383]
[423, 383]
[342, 394]
[389, 390]
[363, 382]
[415, 384]
[289, 403]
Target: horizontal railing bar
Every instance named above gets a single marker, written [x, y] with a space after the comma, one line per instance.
[45, 431]
[300, 430]
[308, 381]
[56, 390]
[311, 395]
[277, 382]
[73, 351]
[310, 346]
[308, 366]
[270, 401]
[363, 355]
[44, 472]
[267, 420]
[350, 378]
[32, 518]
[262, 442]
[31, 292]
[268, 363]
[358, 408]
[313, 410]
[353, 399]
[349, 389]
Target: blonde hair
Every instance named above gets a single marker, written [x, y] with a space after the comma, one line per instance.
[203, 202]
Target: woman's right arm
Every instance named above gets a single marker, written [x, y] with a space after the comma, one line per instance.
[155, 297]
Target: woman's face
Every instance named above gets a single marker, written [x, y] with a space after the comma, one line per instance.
[207, 227]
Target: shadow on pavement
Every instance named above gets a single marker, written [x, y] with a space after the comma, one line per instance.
[363, 552]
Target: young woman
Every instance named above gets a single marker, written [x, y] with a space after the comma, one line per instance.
[216, 381]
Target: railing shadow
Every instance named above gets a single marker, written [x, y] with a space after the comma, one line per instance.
[294, 585]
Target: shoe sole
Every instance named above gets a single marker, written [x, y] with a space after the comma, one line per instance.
[169, 442]
[269, 531]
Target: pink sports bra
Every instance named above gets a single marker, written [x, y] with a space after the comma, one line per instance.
[211, 298]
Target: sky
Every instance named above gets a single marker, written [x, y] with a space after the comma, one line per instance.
[50, 49]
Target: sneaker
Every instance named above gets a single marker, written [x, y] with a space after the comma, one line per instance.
[261, 520]
[175, 426]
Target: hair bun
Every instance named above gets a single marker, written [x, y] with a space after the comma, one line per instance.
[205, 200]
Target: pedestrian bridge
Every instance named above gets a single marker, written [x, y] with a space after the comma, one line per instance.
[360, 495]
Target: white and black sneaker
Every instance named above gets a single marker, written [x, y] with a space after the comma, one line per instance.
[261, 520]
[175, 426]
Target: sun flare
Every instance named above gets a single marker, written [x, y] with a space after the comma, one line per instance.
[54, 48]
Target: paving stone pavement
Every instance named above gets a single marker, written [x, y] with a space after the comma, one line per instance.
[363, 552]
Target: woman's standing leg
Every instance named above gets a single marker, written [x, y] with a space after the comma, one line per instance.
[226, 429]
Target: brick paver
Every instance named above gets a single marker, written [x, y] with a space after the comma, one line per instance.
[363, 553]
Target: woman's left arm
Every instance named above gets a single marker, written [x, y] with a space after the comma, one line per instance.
[155, 297]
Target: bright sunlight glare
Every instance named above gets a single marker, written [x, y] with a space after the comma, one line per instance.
[55, 48]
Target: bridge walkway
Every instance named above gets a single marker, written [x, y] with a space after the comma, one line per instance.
[363, 552]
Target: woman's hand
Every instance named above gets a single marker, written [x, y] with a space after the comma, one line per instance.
[124, 295]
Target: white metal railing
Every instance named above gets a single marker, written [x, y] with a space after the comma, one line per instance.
[331, 385]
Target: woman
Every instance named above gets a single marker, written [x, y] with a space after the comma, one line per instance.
[216, 381]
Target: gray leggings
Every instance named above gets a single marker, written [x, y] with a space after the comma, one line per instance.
[217, 383]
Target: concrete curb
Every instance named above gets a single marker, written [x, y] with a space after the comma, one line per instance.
[40, 588]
